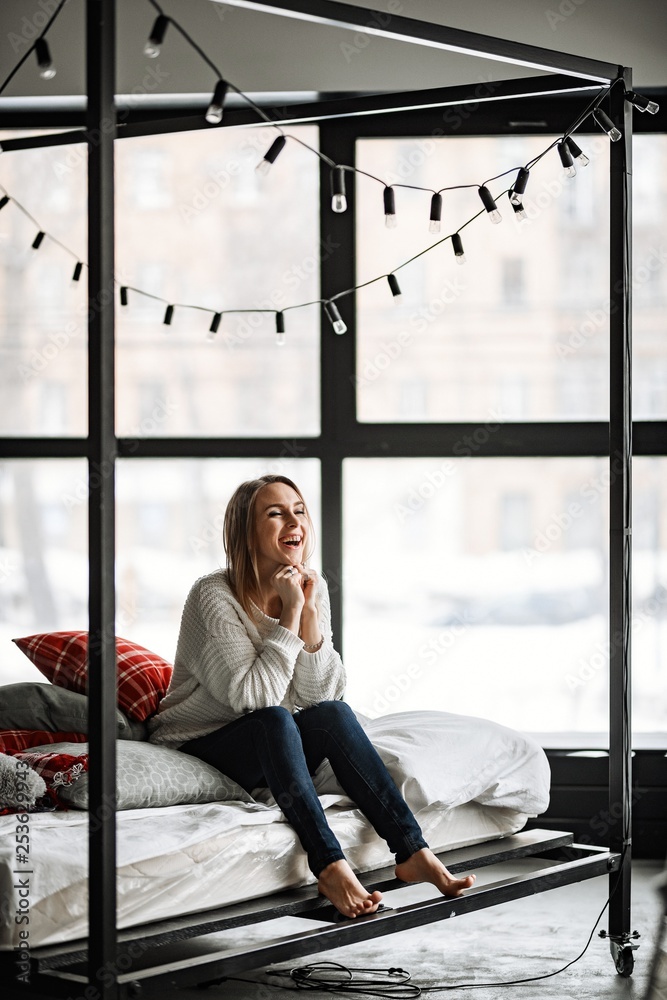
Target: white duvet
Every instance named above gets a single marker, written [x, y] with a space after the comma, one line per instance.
[466, 779]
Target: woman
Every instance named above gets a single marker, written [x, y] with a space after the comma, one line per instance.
[257, 689]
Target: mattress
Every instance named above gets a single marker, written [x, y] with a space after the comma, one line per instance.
[466, 779]
[183, 859]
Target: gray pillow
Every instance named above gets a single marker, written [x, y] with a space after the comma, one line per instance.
[149, 775]
[32, 705]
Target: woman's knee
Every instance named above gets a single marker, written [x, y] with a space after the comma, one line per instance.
[274, 717]
[334, 712]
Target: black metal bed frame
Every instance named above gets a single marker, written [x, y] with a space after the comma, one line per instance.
[117, 965]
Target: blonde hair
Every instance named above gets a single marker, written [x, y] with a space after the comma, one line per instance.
[239, 537]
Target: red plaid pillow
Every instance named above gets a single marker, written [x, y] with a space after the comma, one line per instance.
[143, 677]
[13, 740]
[55, 767]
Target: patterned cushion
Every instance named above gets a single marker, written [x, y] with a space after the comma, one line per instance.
[13, 740]
[148, 775]
[56, 767]
[143, 677]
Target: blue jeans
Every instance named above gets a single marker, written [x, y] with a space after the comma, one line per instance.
[271, 747]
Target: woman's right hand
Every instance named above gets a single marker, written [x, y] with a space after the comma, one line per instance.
[286, 581]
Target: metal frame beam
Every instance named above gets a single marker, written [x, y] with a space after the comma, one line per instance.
[394, 26]
[100, 71]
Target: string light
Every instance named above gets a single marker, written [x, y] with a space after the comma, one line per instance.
[213, 328]
[605, 122]
[457, 247]
[519, 186]
[280, 329]
[47, 70]
[436, 213]
[337, 177]
[338, 199]
[565, 154]
[394, 285]
[642, 103]
[576, 151]
[271, 155]
[389, 208]
[156, 37]
[335, 318]
[37, 242]
[519, 210]
[77, 271]
[215, 108]
[490, 205]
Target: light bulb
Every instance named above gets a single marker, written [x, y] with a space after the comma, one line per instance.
[389, 208]
[280, 340]
[335, 317]
[605, 122]
[490, 205]
[78, 268]
[47, 70]
[436, 213]
[168, 315]
[37, 242]
[576, 152]
[280, 329]
[156, 37]
[271, 155]
[519, 210]
[519, 186]
[215, 108]
[457, 247]
[123, 295]
[394, 285]
[569, 168]
[213, 328]
[642, 103]
[338, 199]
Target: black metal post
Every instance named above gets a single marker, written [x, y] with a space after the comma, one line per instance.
[101, 126]
[620, 521]
[337, 272]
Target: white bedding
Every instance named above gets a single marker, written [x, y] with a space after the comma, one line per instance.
[468, 780]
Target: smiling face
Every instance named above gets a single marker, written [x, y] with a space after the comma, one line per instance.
[281, 528]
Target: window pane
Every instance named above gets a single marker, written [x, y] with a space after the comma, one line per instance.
[650, 277]
[197, 224]
[480, 588]
[43, 332]
[169, 531]
[43, 555]
[522, 328]
[649, 619]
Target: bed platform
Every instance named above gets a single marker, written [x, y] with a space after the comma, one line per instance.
[191, 950]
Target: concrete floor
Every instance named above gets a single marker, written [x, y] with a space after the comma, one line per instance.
[517, 940]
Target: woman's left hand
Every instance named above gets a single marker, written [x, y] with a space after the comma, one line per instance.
[310, 585]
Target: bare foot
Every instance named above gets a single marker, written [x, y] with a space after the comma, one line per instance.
[342, 888]
[423, 866]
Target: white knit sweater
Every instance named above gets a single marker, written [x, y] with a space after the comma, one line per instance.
[228, 664]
